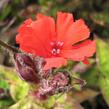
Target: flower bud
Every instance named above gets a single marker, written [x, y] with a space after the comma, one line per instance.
[60, 82]
[28, 66]
[56, 84]
[46, 87]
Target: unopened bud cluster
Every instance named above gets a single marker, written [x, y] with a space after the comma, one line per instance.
[30, 69]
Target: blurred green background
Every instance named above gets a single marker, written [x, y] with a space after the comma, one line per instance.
[95, 95]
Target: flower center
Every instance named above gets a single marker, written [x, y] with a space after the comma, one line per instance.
[56, 47]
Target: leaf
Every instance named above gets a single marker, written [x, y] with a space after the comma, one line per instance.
[3, 83]
[5, 99]
[61, 101]
[9, 74]
[26, 103]
[103, 66]
[104, 86]
[5, 103]
[91, 76]
[5, 12]
[19, 90]
[68, 105]
[67, 102]
[49, 103]
[103, 57]
[55, 99]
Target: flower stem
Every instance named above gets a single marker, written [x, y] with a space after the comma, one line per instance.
[10, 48]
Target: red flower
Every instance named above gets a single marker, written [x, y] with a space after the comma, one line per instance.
[56, 42]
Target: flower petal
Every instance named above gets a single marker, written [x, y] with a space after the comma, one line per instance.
[22, 29]
[40, 16]
[64, 21]
[77, 32]
[81, 51]
[35, 38]
[54, 62]
[70, 32]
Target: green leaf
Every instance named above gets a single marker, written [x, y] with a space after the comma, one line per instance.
[49, 103]
[5, 12]
[27, 103]
[67, 102]
[103, 66]
[5, 103]
[53, 99]
[3, 84]
[91, 77]
[19, 90]
[8, 74]
[5, 100]
[104, 86]
[103, 57]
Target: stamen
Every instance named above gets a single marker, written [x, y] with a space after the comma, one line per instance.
[60, 43]
[54, 52]
[58, 51]
[56, 47]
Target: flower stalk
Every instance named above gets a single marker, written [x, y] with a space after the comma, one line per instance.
[8, 47]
